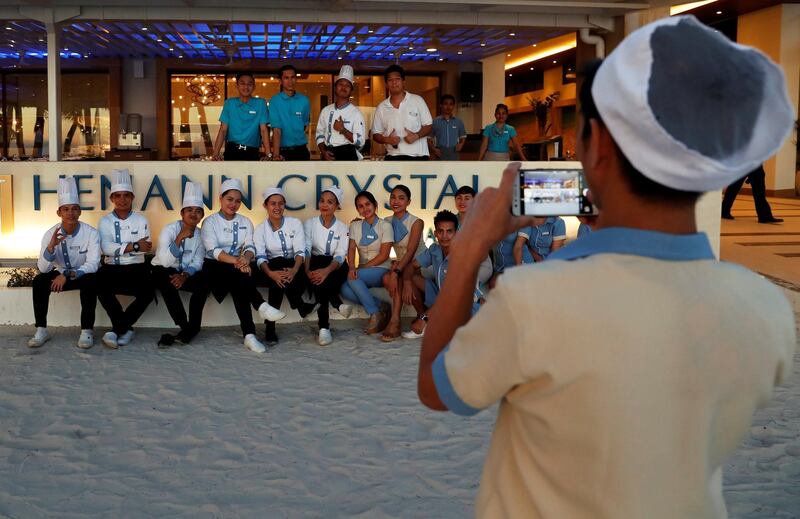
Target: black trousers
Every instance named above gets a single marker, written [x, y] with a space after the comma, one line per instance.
[295, 153]
[128, 280]
[87, 284]
[327, 293]
[758, 185]
[293, 291]
[224, 279]
[234, 151]
[196, 284]
[405, 157]
[344, 152]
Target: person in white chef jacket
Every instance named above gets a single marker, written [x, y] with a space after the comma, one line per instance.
[341, 130]
[228, 240]
[280, 253]
[69, 259]
[124, 240]
[178, 265]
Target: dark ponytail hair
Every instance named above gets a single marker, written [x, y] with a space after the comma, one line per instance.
[369, 196]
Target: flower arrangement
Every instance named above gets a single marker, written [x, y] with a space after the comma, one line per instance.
[541, 111]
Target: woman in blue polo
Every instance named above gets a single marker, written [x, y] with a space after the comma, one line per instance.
[497, 137]
[547, 235]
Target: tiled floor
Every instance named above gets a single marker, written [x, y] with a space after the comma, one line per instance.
[771, 249]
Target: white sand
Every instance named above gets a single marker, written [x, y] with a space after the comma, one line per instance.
[212, 430]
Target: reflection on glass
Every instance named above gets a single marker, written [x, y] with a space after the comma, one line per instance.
[196, 101]
[85, 118]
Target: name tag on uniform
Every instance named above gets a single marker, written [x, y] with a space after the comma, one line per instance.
[134, 232]
[252, 112]
[413, 114]
[545, 233]
[371, 236]
[336, 237]
[298, 114]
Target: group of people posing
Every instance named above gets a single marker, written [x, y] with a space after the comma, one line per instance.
[402, 123]
[316, 264]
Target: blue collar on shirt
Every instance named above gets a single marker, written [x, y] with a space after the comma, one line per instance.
[75, 233]
[269, 222]
[117, 216]
[638, 242]
[322, 222]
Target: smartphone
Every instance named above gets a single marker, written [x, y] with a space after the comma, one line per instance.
[551, 192]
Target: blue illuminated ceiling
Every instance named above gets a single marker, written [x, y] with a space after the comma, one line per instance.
[24, 42]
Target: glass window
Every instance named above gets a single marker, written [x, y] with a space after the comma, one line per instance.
[196, 101]
[85, 122]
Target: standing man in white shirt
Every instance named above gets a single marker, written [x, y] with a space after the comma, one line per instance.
[69, 259]
[402, 121]
[341, 129]
[124, 240]
[178, 265]
[632, 409]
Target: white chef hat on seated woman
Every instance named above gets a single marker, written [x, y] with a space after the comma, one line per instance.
[335, 191]
[231, 183]
[689, 108]
[272, 190]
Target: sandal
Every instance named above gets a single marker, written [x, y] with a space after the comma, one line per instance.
[374, 322]
[391, 332]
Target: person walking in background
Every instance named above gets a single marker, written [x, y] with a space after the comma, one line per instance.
[498, 137]
[289, 117]
[759, 189]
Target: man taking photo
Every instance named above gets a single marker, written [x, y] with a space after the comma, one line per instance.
[631, 409]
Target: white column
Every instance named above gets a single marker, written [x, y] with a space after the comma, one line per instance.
[494, 86]
[786, 177]
[54, 90]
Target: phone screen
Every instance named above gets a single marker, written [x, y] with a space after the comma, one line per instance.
[553, 192]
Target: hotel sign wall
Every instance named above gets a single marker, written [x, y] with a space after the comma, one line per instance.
[28, 200]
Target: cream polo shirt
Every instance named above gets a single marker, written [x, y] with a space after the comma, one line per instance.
[412, 114]
[369, 243]
[625, 389]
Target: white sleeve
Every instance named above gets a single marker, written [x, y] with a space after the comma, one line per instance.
[196, 263]
[485, 271]
[207, 232]
[43, 263]
[359, 129]
[92, 262]
[321, 126]
[308, 234]
[166, 241]
[424, 114]
[260, 243]
[108, 246]
[247, 240]
[377, 121]
[299, 240]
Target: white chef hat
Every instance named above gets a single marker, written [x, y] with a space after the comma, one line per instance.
[690, 109]
[346, 72]
[67, 191]
[272, 190]
[231, 183]
[192, 195]
[336, 191]
[121, 181]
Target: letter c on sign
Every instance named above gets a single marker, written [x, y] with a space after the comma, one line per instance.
[286, 179]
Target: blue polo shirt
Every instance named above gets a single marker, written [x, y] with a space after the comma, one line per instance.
[447, 133]
[499, 137]
[434, 256]
[244, 120]
[540, 237]
[291, 115]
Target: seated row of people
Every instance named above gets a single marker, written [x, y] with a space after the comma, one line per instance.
[314, 264]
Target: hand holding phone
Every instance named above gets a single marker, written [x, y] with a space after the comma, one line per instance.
[551, 192]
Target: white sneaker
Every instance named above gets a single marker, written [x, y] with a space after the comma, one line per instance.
[110, 340]
[325, 337]
[270, 313]
[345, 310]
[411, 334]
[40, 337]
[126, 338]
[86, 340]
[252, 343]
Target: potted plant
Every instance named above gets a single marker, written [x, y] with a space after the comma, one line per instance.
[541, 111]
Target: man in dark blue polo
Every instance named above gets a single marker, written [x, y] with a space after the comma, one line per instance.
[243, 123]
[448, 133]
[289, 115]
